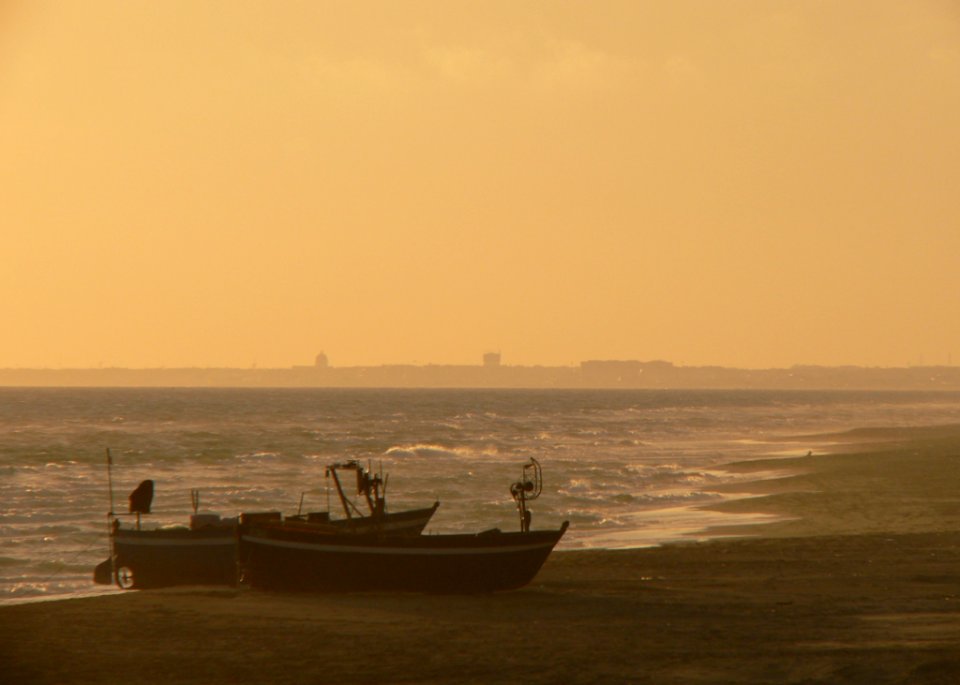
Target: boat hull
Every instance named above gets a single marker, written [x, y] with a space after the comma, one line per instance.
[409, 522]
[208, 556]
[160, 558]
[280, 558]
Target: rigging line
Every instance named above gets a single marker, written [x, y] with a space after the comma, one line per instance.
[70, 560]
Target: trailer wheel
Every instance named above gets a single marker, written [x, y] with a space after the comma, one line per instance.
[125, 578]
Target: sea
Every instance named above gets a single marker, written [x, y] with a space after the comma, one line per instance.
[626, 468]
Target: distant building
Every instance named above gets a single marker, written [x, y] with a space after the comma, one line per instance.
[491, 359]
[611, 371]
[321, 361]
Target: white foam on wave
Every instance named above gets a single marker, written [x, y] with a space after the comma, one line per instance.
[434, 451]
[26, 593]
[673, 524]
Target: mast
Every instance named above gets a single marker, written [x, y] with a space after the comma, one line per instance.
[111, 521]
[110, 479]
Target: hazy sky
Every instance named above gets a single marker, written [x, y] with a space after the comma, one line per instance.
[232, 183]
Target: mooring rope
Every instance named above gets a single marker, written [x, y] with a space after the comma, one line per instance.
[70, 560]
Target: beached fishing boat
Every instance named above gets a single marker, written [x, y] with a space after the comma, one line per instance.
[277, 556]
[371, 489]
[281, 558]
[205, 553]
[161, 557]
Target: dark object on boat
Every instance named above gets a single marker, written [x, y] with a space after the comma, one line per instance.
[278, 557]
[141, 498]
[527, 488]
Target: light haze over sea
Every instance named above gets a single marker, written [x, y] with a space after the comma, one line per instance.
[625, 467]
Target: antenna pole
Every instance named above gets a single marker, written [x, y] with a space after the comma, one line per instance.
[110, 478]
[111, 521]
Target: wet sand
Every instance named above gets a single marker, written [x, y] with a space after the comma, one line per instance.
[862, 586]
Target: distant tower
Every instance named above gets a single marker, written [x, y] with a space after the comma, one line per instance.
[491, 359]
[321, 361]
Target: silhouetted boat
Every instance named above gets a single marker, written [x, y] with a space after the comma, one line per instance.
[206, 552]
[375, 520]
[277, 556]
[203, 554]
[160, 557]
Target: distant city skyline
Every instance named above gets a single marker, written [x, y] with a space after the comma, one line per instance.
[590, 374]
[488, 360]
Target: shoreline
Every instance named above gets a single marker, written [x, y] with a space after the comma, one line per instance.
[862, 585]
[768, 501]
[865, 608]
[897, 480]
[670, 523]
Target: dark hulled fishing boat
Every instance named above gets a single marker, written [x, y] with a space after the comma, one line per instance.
[205, 553]
[161, 557]
[277, 556]
[372, 489]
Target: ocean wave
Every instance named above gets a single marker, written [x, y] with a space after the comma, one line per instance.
[259, 456]
[433, 451]
[56, 566]
[419, 451]
[54, 529]
[26, 589]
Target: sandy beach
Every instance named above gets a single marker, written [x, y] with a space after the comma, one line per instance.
[858, 583]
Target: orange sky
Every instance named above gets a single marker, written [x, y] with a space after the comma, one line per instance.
[193, 183]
